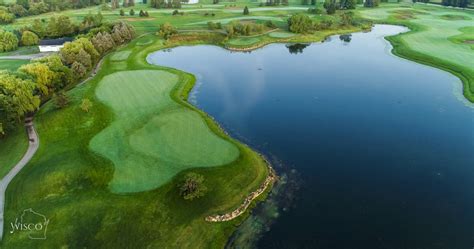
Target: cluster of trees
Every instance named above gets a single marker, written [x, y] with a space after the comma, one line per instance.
[22, 8]
[274, 2]
[332, 5]
[236, 28]
[455, 3]
[63, 26]
[8, 41]
[11, 40]
[55, 27]
[303, 24]
[371, 3]
[21, 92]
[159, 4]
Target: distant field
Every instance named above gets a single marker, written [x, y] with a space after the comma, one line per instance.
[12, 64]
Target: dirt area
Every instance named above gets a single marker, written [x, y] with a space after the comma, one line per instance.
[469, 41]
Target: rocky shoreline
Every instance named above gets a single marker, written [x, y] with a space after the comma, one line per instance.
[248, 200]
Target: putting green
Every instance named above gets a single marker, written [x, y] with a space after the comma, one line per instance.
[152, 137]
[120, 56]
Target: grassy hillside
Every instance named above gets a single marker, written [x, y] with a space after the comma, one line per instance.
[12, 149]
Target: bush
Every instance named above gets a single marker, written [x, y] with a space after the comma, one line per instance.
[6, 17]
[167, 30]
[192, 186]
[300, 23]
[315, 11]
[246, 10]
[270, 24]
[132, 12]
[60, 99]
[8, 41]
[29, 38]
[86, 105]
[18, 10]
[122, 13]
[176, 12]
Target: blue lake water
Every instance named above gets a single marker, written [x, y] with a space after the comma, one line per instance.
[384, 146]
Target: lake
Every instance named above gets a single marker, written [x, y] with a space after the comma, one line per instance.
[384, 146]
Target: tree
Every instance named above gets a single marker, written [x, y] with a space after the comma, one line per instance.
[300, 23]
[41, 75]
[62, 76]
[192, 187]
[8, 41]
[348, 4]
[61, 100]
[115, 4]
[24, 3]
[371, 3]
[38, 8]
[125, 3]
[347, 18]
[18, 10]
[167, 30]
[122, 13]
[132, 12]
[38, 28]
[16, 99]
[86, 105]
[29, 38]
[246, 10]
[79, 69]
[6, 17]
[330, 6]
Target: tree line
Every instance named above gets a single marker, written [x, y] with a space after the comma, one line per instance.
[22, 91]
[55, 27]
[22, 8]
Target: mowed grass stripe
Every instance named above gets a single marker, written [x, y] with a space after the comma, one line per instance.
[153, 138]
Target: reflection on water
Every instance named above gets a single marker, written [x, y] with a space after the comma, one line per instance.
[296, 48]
[382, 146]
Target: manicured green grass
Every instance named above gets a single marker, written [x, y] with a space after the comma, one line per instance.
[11, 65]
[281, 34]
[433, 39]
[153, 138]
[70, 183]
[244, 41]
[120, 56]
[12, 149]
[22, 51]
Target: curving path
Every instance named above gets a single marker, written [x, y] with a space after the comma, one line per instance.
[32, 148]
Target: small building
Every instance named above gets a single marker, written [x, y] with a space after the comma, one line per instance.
[53, 45]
